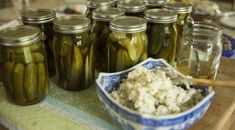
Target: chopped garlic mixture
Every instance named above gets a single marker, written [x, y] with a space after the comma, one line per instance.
[152, 92]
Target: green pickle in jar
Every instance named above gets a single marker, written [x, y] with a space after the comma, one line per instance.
[155, 4]
[162, 34]
[101, 31]
[74, 52]
[127, 44]
[23, 64]
[183, 10]
[94, 4]
[132, 7]
[43, 19]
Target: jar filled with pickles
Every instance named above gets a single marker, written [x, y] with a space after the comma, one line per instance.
[94, 4]
[73, 50]
[128, 43]
[162, 34]
[101, 33]
[43, 19]
[23, 64]
[155, 4]
[132, 7]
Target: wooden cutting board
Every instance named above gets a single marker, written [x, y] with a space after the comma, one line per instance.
[221, 114]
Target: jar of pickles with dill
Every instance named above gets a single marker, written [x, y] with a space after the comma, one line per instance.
[162, 34]
[43, 19]
[73, 50]
[94, 4]
[127, 44]
[132, 7]
[101, 31]
[23, 64]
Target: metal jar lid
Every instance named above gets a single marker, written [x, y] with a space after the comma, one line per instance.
[160, 15]
[21, 35]
[128, 24]
[179, 7]
[99, 3]
[72, 24]
[38, 16]
[106, 14]
[155, 3]
[131, 6]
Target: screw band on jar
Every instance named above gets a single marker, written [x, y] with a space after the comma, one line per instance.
[106, 14]
[179, 7]
[128, 24]
[72, 24]
[160, 16]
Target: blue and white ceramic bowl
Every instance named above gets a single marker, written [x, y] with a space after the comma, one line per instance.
[130, 119]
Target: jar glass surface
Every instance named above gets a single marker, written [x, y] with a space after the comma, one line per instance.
[74, 60]
[25, 73]
[200, 50]
[162, 38]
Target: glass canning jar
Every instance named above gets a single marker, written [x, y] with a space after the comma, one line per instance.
[101, 33]
[43, 19]
[23, 64]
[73, 50]
[132, 7]
[200, 50]
[127, 44]
[94, 4]
[155, 4]
[162, 34]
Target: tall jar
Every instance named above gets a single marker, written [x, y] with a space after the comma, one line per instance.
[73, 50]
[183, 10]
[132, 7]
[23, 65]
[101, 33]
[43, 19]
[155, 4]
[162, 34]
[94, 4]
[128, 43]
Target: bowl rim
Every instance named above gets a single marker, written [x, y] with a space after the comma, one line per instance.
[148, 116]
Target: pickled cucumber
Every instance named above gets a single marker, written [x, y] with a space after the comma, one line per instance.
[123, 60]
[20, 50]
[156, 39]
[42, 79]
[76, 68]
[18, 83]
[165, 49]
[8, 69]
[25, 58]
[30, 81]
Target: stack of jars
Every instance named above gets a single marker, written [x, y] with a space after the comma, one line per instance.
[68, 49]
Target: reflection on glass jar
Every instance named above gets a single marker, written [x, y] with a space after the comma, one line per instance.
[73, 50]
[43, 19]
[200, 51]
[101, 33]
[94, 4]
[155, 4]
[23, 64]
[132, 7]
[162, 34]
[127, 43]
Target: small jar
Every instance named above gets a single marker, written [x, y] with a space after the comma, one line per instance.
[73, 50]
[162, 34]
[94, 4]
[132, 8]
[128, 43]
[43, 19]
[155, 4]
[101, 33]
[23, 64]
